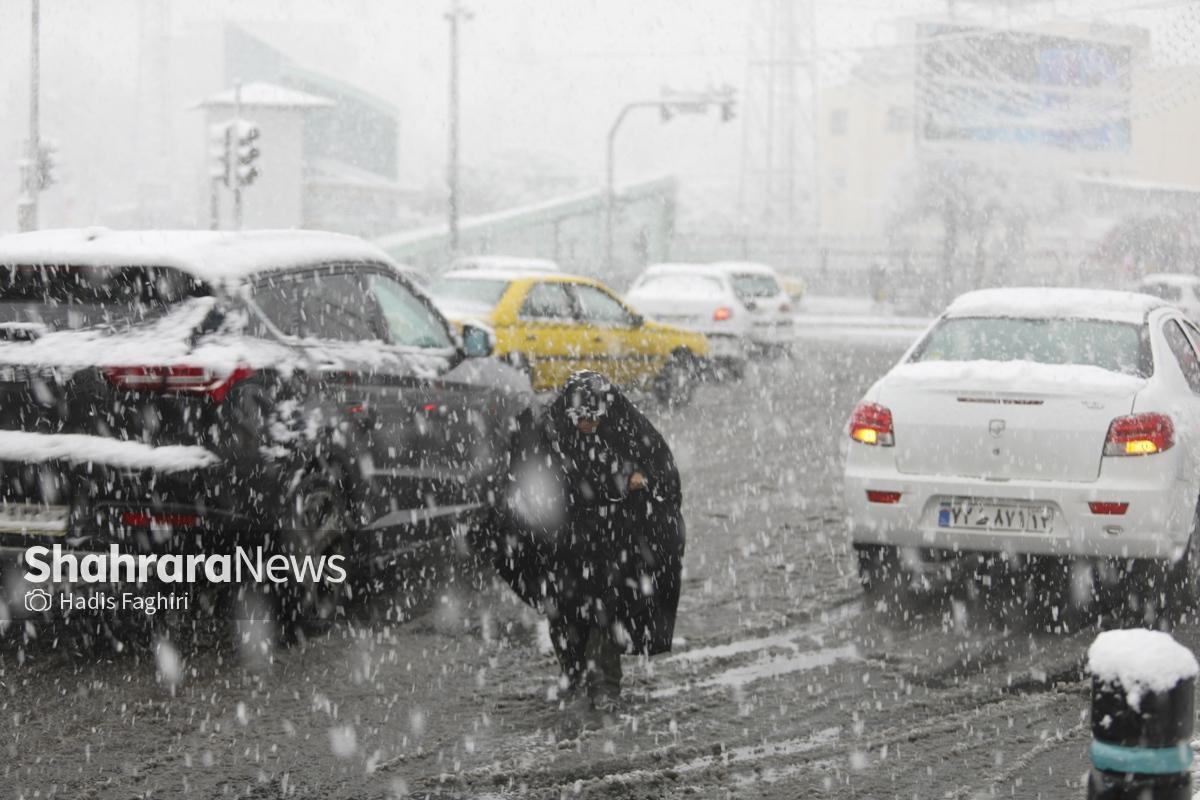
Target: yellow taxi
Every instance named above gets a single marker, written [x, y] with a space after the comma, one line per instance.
[552, 324]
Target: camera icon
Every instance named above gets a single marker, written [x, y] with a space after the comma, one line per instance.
[38, 600]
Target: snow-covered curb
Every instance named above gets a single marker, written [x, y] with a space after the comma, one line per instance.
[1140, 661]
[82, 449]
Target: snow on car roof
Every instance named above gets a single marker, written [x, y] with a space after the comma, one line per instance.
[1171, 278]
[1050, 302]
[209, 255]
[746, 268]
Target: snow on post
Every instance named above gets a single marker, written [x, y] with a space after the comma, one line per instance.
[1143, 685]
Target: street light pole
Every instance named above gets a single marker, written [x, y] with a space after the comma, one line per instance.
[454, 16]
[27, 205]
[682, 103]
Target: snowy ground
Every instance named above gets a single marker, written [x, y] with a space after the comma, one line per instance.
[784, 685]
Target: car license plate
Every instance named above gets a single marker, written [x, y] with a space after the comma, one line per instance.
[33, 519]
[990, 516]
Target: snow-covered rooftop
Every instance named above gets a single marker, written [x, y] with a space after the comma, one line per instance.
[209, 255]
[261, 94]
[1051, 303]
[1140, 660]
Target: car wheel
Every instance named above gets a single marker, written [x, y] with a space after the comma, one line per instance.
[1183, 577]
[676, 383]
[316, 518]
[880, 574]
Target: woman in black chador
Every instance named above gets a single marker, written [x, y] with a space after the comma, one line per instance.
[592, 532]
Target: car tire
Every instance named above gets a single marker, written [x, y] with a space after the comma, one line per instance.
[676, 383]
[1182, 595]
[317, 516]
[880, 574]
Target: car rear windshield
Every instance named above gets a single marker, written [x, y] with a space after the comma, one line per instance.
[750, 287]
[681, 286]
[473, 292]
[73, 296]
[1115, 346]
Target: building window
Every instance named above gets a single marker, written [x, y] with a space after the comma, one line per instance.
[898, 119]
[839, 122]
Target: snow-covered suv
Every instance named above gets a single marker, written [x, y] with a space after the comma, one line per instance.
[184, 391]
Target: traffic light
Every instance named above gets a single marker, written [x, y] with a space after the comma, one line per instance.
[220, 152]
[247, 153]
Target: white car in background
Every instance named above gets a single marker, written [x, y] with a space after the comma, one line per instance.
[1180, 289]
[698, 298]
[741, 307]
[1033, 422]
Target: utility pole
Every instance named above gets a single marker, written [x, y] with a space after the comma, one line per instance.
[456, 14]
[27, 204]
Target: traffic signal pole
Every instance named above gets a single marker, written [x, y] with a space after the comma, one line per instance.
[27, 203]
[237, 183]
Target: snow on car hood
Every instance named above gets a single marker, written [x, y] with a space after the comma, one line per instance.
[1012, 376]
[80, 448]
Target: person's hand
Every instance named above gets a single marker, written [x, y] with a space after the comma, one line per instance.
[637, 481]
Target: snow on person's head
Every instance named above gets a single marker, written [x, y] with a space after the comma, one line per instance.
[589, 396]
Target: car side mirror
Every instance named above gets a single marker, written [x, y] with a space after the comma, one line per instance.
[478, 341]
[637, 320]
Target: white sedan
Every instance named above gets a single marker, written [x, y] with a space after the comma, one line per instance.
[1047, 422]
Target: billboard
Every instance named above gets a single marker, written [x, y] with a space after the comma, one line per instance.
[980, 85]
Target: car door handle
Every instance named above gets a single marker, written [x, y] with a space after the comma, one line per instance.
[598, 339]
[531, 338]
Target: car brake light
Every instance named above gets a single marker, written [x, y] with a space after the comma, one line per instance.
[723, 313]
[177, 378]
[888, 498]
[1139, 435]
[871, 423]
[142, 519]
[1098, 507]
[785, 307]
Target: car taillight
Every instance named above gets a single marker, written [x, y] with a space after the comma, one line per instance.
[144, 519]
[1139, 435]
[871, 423]
[1104, 507]
[723, 313]
[786, 307]
[177, 378]
[887, 498]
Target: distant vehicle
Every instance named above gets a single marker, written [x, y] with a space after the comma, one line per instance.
[506, 263]
[795, 287]
[758, 288]
[1029, 424]
[758, 310]
[188, 391]
[698, 298]
[554, 324]
[1180, 289]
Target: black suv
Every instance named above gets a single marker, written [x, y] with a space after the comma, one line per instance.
[187, 391]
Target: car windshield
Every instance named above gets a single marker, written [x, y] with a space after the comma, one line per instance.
[677, 286]
[751, 287]
[1115, 346]
[468, 292]
[76, 297]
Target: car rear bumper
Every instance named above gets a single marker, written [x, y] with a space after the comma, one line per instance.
[1155, 525]
[773, 333]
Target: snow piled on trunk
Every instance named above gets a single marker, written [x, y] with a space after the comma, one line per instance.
[78, 448]
[1141, 661]
[1014, 376]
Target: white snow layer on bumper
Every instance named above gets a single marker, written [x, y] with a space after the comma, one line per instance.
[1155, 525]
[80, 448]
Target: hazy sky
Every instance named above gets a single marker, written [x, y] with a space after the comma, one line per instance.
[542, 79]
